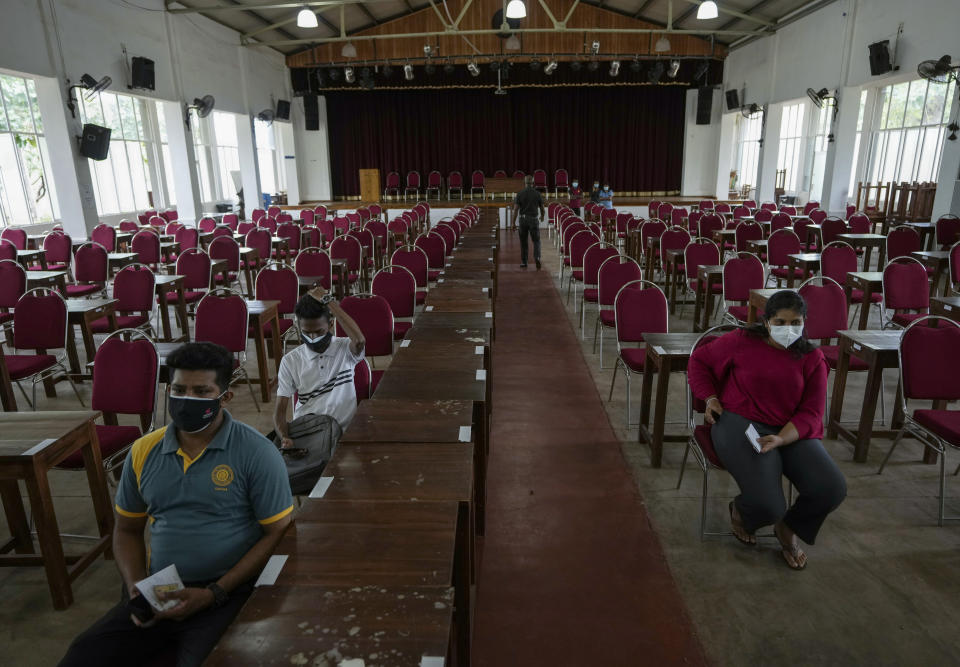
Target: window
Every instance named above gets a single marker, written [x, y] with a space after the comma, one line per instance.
[126, 181]
[857, 142]
[747, 150]
[816, 162]
[267, 156]
[217, 154]
[906, 131]
[791, 143]
[165, 157]
[26, 188]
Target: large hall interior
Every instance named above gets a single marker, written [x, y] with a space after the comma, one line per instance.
[479, 332]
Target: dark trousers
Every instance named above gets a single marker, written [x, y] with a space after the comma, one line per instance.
[820, 485]
[531, 227]
[115, 640]
[576, 210]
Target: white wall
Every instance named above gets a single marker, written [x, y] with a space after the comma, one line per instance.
[313, 147]
[701, 147]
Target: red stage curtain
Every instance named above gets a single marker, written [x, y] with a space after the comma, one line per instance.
[629, 135]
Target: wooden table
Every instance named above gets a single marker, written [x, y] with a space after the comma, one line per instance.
[456, 321]
[879, 349]
[814, 234]
[286, 624]
[708, 275]
[53, 279]
[666, 353]
[946, 306]
[870, 282]
[249, 260]
[807, 262]
[31, 443]
[758, 301]
[410, 420]
[259, 313]
[674, 272]
[164, 284]
[435, 335]
[439, 355]
[939, 261]
[448, 301]
[868, 242]
[927, 231]
[28, 258]
[82, 313]
[117, 260]
[758, 247]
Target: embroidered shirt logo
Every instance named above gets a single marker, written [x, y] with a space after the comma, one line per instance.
[222, 475]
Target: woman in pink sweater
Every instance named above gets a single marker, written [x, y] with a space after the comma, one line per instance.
[771, 377]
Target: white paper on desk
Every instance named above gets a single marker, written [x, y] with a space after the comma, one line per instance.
[429, 308]
[320, 488]
[658, 349]
[481, 375]
[478, 349]
[486, 289]
[488, 314]
[167, 580]
[431, 661]
[439, 280]
[753, 438]
[464, 434]
[405, 343]
[271, 570]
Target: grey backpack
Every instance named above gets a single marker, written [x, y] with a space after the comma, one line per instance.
[318, 435]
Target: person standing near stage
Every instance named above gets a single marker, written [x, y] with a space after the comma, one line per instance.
[606, 196]
[528, 209]
[576, 197]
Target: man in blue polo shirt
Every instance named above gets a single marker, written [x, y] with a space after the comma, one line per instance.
[215, 496]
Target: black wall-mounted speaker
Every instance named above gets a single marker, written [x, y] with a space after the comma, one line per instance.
[283, 110]
[704, 105]
[299, 80]
[95, 142]
[733, 100]
[141, 73]
[880, 57]
[311, 112]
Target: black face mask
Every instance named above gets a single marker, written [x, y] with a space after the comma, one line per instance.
[318, 344]
[192, 415]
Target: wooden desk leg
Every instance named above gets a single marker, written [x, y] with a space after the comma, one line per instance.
[672, 277]
[865, 307]
[871, 395]
[262, 369]
[462, 564]
[165, 316]
[839, 387]
[697, 305]
[72, 354]
[646, 392]
[480, 465]
[48, 535]
[660, 414]
[249, 274]
[89, 346]
[866, 258]
[16, 516]
[751, 312]
[277, 344]
[96, 479]
[182, 311]
[791, 272]
[708, 304]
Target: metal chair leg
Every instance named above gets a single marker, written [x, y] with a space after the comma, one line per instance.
[683, 464]
[627, 373]
[703, 506]
[943, 464]
[613, 380]
[893, 446]
[25, 397]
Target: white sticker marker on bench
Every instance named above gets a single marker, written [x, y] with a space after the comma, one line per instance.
[488, 314]
[485, 289]
[428, 308]
[431, 661]
[405, 343]
[464, 434]
[481, 375]
[271, 570]
[478, 349]
[320, 488]
[439, 280]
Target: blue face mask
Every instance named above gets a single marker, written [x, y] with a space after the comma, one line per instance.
[606, 188]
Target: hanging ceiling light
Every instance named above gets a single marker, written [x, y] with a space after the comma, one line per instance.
[516, 9]
[473, 69]
[614, 68]
[635, 65]
[348, 50]
[348, 75]
[663, 44]
[306, 19]
[535, 65]
[673, 69]
[550, 68]
[408, 72]
[707, 10]
[512, 43]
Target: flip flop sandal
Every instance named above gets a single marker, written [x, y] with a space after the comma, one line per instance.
[739, 524]
[793, 551]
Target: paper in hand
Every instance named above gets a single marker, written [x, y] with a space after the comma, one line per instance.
[754, 438]
[166, 580]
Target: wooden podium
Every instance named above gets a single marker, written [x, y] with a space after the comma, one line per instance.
[370, 185]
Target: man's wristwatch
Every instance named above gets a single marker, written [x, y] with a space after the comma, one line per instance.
[220, 596]
[325, 299]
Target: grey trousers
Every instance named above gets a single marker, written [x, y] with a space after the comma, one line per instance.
[531, 227]
[819, 482]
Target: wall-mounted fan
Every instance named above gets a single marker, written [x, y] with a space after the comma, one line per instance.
[202, 105]
[819, 97]
[266, 116]
[750, 110]
[938, 71]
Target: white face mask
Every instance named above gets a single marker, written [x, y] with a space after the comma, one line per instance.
[575, 184]
[786, 335]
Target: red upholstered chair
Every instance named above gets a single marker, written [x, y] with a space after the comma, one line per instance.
[768, 206]
[789, 210]
[365, 380]
[172, 228]
[13, 285]
[206, 225]
[780, 221]
[476, 183]
[278, 282]
[640, 308]
[435, 247]
[195, 267]
[273, 211]
[930, 371]
[58, 248]
[106, 236]
[800, 229]
[257, 214]
[615, 272]
[157, 222]
[392, 184]
[368, 245]
[315, 263]
[810, 206]
[677, 216]
[449, 238]
[262, 241]
[699, 252]
[674, 238]
[327, 231]
[90, 270]
[125, 380]
[16, 236]
[376, 211]
[593, 259]
[268, 223]
[652, 207]
[740, 211]
[750, 203]
[455, 184]
[415, 260]
[378, 228]
[948, 230]
[705, 204]
[399, 231]
[245, 227]
[147, 246]
[320, 212]
[231, 220]
[905, 289]
[721, 207]
[283, 217]
[434, 183]
[398, 286]
[341, 225]
[143, 219]
[764, 215]
[651, 229]
[221, 318]
[901, 241]
[413, 185]
[747, 231]
[291, 232]
[837, 260]
[578, 248]
[693, 222]
[664, 211]
[169, 215]
[561, 181]
[222, 230]
[709, 224]
[540, 180]
[188, 237]
[39, 325]
[128, 226]
[782, 243]
[7, 250]
[349, 249]
[831, 228]
[500, 173]
[740, 275]
[518, 173]
[134, 288]
[859, 224]
[621, 224]
[373, 315]
[227, 249]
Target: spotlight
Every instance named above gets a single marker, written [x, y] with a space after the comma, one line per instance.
[550, 68]
[635, 65]
[663, 44]
[576, 65]
[348, 50]
[449, 68]
[707, 10]
[653, 76]
[306, 19]
[334, 74]
[387, 71]
[365, 73]
[702, 70]
[427, 50]
[494, 65]
[673, 69]
[595, 48]
[473, 69]
[535, 65]
[408, 72]
[367, 84]
[593, 66]
[430, 69]
[614, 68]
[348, 75]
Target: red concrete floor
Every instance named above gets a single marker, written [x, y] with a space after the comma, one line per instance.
[571, 571]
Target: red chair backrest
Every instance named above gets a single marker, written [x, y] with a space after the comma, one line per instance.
[315, 263]
[261, 240]
[413, 259]
[7, 250]
[147, 246]
[640, 308]
[948, 230]
[740, 211]
[291, 232]
[768, 206]
[273, 211]
[245, 227]
[399, 287]
[362, 380]
[837, 259]
[677, 215]
[578, 247]
[664, 210]
[831, 228]
[809, 206]
[614, 273]
[929, 360]
[750, 203]
[413, 179]
[859, 224]
[125, 376]
[699, 252]
[782, 242]
[435, 248]
[518, 173]
[91, 263]
[740, 275]
[622, 220]
[206, 224]
[194, 265]
[393, 180]
[40, 321]
[561, 179]
[279, 283]
[106, 236]
[134, 288]
[187, 237]
[476, 179]
[58, 248]
[709, 224]
[721, 207]
[764, 215]
[13, 283]
[257, 214]
[231, 220]
[348, 248]
[224, 247]
[826, 308]
[449, 237]
[901, 241]
[789, 210]
[539, 178]
[365, 236]
[651, 229]
[222, 319]
[455, 180]
[374, 318]
[17, 237]
[781, 221]
[594, 258]
[172, 228]
[675, 238]
[747, 231]
[222, 230]
[905, 285]
[169, 215]
[268, 223]
[434, 179]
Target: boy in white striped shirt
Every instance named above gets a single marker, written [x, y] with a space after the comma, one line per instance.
[320, 371]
